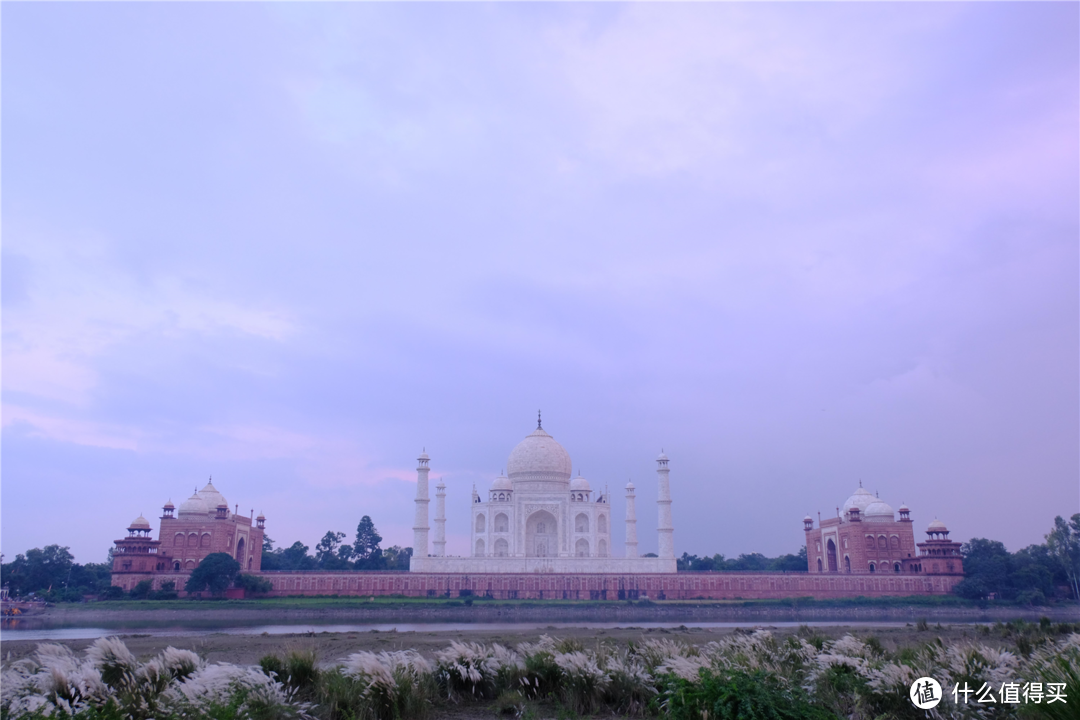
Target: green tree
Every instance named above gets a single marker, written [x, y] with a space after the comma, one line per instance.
[366, 550]
[39, 570]
[254, 585]
[295, 557]
[330, 554]
[217, 572]
[1063, 543]
[142, 589]
[397, 558]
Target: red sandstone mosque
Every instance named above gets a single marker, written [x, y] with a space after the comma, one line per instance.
[866, 537]
[541, 535]
[202, 525]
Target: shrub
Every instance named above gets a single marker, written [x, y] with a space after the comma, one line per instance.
[737, 695]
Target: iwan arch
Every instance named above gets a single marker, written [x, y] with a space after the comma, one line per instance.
[537, 519]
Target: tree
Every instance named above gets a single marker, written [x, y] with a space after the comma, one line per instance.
[1063, 543]
[254, 585]
[142, 589]
[38, 571]
[295, 557]
[217, 572]
[328, 552]
[366, 548]
[397, 558]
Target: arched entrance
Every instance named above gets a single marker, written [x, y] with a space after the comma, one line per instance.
[541, 535]
[240, 550]
[831, 550]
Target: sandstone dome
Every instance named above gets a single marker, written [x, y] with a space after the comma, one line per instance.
[539, 458]
[861, 498]
[139, 523]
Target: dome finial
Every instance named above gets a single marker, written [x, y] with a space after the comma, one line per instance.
[538, 425]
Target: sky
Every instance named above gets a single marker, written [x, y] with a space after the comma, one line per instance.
[290, 246]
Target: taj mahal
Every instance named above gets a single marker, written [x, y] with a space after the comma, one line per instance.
[535, 518]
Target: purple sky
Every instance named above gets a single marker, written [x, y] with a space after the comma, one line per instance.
[796, 246]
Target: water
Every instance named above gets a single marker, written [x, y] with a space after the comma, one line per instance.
[43, 631]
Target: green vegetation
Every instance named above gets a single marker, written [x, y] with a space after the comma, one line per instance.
[1031, 576]
[754, 562]
[216, 573]
[51, 574]
[746, 675]
[365, 553]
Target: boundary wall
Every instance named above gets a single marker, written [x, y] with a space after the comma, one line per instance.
[607, 586]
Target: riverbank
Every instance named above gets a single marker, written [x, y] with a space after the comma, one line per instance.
[408, 610]
[331, 647]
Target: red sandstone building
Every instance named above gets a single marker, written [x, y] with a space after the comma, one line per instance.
[866, 538]
[202, 525]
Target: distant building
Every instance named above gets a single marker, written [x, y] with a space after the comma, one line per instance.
[202, 525]
[866, 537]
[537, 519]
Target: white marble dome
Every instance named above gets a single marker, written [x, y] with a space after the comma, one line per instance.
[861, 498]
[879, 511]
[936, 526]
[212, 497]
[501, 483]
[194, 505]
[539, 457]
[579, 484]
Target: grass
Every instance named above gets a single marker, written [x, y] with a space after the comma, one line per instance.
[742, 676]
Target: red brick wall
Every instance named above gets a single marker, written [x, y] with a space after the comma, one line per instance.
[611, 587]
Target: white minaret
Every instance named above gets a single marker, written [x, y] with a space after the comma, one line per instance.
[440, 519]
[663, 503]
[631, 522]
[420, 525]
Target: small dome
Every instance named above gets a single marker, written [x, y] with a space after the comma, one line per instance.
[629, 484]
[861, 499]
[168, 505]
[661, 456]
[194, 505]
[580, 484]
[539, 457]
[139, 523]
[501, 483]
[808, 519]
[423, 456]
[880, 511]
[261, 516]
[936, 526]
[212, 497]
[904, 509]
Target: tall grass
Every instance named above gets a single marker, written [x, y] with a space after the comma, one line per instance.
[744, 675]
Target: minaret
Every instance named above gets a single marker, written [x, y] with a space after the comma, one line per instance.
[420, 525]
[631, 522]
[440, 519]
[663, 503]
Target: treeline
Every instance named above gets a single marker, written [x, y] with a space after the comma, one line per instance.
[1032, 576]
[752, 562]
[52, 574]
[332, 553]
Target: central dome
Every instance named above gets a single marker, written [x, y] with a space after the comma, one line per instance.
[539, 457]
